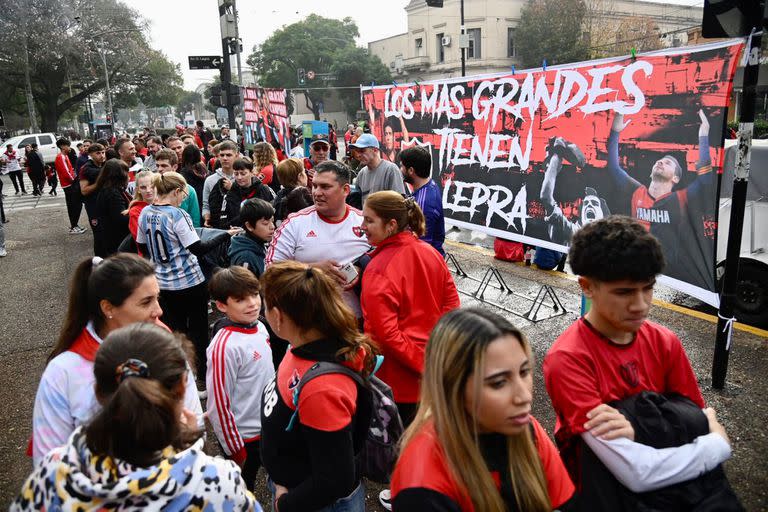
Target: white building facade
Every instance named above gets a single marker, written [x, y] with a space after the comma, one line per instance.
[430, 48]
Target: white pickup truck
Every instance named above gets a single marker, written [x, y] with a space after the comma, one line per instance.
[752, 291]
[46, 145]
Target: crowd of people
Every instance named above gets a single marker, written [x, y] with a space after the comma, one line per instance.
[335, 325]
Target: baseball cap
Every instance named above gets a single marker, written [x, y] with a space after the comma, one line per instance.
[320, 138]
[366, 140]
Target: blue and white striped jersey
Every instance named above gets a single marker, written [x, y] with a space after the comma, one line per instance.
[168, 231]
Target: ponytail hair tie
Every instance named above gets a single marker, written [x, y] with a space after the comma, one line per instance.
[95, 261]
[410, 203]
[309, 273]
[131, 368]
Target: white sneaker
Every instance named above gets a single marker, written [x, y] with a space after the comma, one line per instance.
[79, 230]
[384, 498]
[73, 231]
[3, 253]
[203, 394]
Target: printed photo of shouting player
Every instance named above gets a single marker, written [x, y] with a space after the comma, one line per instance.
[559, 227]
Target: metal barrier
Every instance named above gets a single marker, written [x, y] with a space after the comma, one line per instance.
[492, 274]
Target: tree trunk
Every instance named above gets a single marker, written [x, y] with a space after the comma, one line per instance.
[50, 114]
[312, 105]
[28, 87]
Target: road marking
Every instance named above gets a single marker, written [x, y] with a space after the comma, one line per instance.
[657, 302]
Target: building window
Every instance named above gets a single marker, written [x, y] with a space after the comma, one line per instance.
[473, 51]
[511, 50]
[419, 47]
[440, 48]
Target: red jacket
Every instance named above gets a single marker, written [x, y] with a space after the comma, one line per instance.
[64, 170]
[407, 287]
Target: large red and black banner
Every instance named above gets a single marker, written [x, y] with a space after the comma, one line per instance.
[535, 155]
[266, 116]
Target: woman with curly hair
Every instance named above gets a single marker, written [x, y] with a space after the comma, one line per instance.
[264, 164]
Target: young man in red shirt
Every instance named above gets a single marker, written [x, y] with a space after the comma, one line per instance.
[68, 179]
[613, 353]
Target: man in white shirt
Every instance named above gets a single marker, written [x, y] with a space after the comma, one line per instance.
[326, 235]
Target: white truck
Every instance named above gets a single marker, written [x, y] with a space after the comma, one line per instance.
[46, 145]
[752, 291]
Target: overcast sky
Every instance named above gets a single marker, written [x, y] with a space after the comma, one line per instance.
[181, 28]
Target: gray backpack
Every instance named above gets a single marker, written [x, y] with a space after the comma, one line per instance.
[377, 457]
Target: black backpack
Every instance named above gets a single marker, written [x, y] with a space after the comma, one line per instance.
[379, 453]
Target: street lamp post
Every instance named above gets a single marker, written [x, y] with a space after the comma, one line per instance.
[103, 55]
[110, 113]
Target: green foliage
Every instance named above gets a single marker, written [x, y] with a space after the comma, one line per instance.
[186, 103]
[760, 128]
[62, 41]
[321, 45]
[216, 84]
[551, 30]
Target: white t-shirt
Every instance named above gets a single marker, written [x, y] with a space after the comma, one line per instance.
[306, 237]
[168, 231]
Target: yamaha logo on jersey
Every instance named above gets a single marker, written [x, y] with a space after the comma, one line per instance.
[358, 231]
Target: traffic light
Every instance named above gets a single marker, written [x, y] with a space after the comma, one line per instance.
[302, 76]
[216, 98]
[235, 46]
[434, 3]
[233, 96]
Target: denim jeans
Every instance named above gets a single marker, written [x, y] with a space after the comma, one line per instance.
[355, 502]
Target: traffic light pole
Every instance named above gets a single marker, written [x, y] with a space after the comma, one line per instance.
[226, 67]
[725, 316]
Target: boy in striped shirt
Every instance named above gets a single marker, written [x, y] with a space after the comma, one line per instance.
[239, 367]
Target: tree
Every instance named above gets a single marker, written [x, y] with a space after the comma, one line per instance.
[551, 30]
[321, 45]
[63, 42]
[187, 103]
[640, 33]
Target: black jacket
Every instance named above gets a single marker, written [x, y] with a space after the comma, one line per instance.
[111, 224]
[90, 171]
[195, 181]
[660, 421]
[36, 165]
[279, 203]
[238, 194]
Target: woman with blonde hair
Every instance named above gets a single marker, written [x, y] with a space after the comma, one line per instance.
[168, 238]
[474, 444]
[143, 195]
[265, 163]
[312, 465]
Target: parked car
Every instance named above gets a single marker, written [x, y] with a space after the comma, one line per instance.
[752, 290]
[46, 145]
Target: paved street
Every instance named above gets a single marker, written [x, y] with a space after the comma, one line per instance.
[42, 256]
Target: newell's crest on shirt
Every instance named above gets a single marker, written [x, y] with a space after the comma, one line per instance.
[358, 231]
